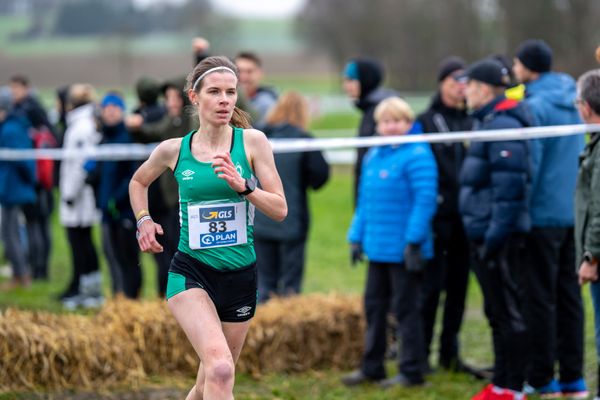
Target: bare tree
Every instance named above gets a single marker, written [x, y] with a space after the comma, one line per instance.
[412, 36]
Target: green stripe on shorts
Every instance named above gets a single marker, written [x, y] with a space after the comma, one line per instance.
[175, 284]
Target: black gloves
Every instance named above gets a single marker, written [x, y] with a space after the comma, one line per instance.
[413, 259]
[356, 253]
[486, 256]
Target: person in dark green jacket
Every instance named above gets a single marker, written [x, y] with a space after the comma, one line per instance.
[163, 199]
[587, 202]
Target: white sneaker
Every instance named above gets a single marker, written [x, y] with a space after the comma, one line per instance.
[6, 271]
[89, 302]
[72, 302]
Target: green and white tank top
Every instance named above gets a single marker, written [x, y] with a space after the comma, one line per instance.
[217, 224]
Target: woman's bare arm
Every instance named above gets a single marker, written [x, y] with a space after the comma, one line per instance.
[270, 198]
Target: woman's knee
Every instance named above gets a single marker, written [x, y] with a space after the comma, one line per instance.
[220, 371]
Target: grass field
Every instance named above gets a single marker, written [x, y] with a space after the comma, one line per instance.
[328, 269]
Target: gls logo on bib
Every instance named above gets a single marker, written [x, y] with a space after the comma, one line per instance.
[217, 214]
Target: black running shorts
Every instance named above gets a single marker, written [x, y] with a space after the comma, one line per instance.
[232, 292]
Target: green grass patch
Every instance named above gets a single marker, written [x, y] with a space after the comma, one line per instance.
[328, 269]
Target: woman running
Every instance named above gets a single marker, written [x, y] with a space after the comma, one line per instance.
[211, 289]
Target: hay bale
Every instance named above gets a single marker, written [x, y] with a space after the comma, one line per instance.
[154, 333]
[127, 340]
[304, 332]
[61, 351]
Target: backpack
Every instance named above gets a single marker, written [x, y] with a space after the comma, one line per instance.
[44, 139]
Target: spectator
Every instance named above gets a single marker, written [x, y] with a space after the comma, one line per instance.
[200, 47]
[118, 221]
[38, 215]
[515, 89]
[362, 79]
[587, 208]
[493, 201]
[148, 92]
[392, 225]
[25, 104]
[261, 98]
[554, 305]
[60, 126]
[77, 210]
[449, 269]
[280, 247]
[164, 205]
[17, 190]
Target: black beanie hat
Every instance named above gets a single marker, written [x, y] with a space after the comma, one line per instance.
[370, 74]
[488, 71]
[449, 65]
[535, 54]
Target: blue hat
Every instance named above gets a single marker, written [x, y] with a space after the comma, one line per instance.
[113, 99]
[351, 71]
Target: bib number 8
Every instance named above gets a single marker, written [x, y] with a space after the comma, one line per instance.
[220, 226]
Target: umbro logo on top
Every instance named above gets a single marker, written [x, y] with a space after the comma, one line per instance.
[187, 174]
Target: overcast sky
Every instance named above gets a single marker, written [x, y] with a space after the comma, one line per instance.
[246, 8]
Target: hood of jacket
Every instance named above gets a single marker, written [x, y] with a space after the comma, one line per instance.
[375, 97]
[555, 88]
[370, 76]
[82, 112]
[148, 90]
[510, 107]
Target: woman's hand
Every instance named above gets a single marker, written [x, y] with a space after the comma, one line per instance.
[146, 236]
[224, 168]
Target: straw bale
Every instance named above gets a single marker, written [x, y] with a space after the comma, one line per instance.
[154, 332]
[304, 332]
[59, 351]
[128, 340]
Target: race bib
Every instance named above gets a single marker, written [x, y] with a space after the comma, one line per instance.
[216, 225]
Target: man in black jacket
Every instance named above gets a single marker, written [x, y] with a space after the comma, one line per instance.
[449, 270]
[494, 197]
[362, 80]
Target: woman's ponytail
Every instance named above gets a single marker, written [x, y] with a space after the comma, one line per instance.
[241, 118]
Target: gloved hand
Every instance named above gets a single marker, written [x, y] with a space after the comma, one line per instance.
[486, 255]
[413, 259]
[356, 253]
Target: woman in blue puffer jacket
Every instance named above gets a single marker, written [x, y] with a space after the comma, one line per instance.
[392, 226]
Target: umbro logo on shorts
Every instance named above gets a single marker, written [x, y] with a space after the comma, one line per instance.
[187, 174]
[244, 311]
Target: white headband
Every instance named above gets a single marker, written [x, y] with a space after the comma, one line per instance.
[223, 68]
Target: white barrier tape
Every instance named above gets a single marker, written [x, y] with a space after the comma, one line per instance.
[115, 152]
[288, 146]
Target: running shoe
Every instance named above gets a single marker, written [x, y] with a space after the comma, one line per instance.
[574, 390]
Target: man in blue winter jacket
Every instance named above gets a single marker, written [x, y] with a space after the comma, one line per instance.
[17, 190]
[554, 310]
[494, 182]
